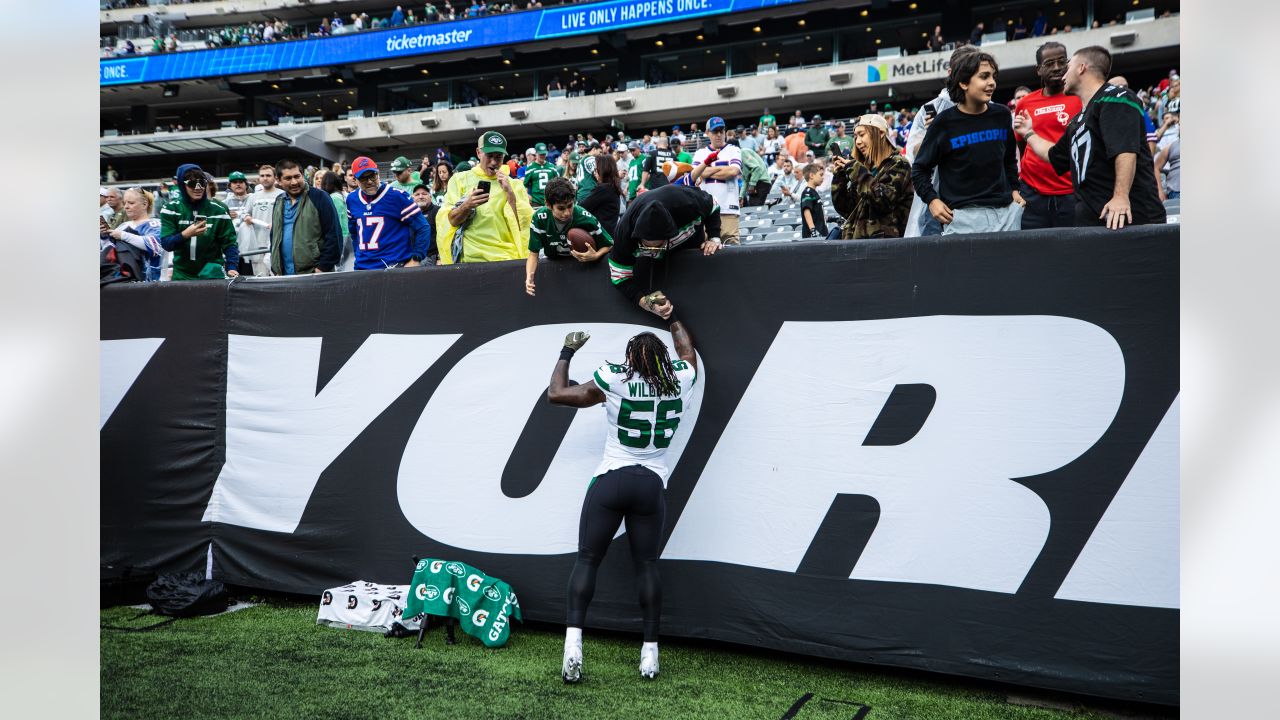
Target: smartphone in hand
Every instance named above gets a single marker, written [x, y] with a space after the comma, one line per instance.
[483, 186]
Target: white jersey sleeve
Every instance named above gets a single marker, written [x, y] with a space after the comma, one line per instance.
[640, 424]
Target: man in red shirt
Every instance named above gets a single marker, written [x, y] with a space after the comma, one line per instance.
[1050, 202]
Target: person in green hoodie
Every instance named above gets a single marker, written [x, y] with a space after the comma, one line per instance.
[198, 229]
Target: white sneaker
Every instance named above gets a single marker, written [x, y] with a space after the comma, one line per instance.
[649, 661]
[571, 669]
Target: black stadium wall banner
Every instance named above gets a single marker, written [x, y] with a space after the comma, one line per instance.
[954, 454]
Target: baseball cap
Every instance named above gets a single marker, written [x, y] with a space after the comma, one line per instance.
[594, 143]
[633, 145]
[237, 175]
[675, 128]
[716, 122]
[463, 167]
[363, 165]
[400, 164]
[619, 146]
[540, 148]
[492, 142]
[530, 151]
[102, 192]
[817, 116]
[877, 121]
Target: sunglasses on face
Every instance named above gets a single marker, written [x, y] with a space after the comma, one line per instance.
[195, 183]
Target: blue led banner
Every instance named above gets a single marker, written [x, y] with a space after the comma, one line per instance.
[416, 40]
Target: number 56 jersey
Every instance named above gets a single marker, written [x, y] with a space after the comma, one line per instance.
[641, 423]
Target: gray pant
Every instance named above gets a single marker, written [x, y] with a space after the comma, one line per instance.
[984, 220]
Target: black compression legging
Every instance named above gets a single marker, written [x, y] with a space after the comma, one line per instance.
[635, 494]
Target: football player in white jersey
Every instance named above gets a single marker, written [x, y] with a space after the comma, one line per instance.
[644, 399]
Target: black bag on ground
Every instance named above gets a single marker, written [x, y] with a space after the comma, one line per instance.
[187, 594]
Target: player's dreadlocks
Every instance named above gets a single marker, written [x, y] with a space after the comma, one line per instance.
[647, 356]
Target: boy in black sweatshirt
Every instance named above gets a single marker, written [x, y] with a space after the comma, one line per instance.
[813, 219]
[972, 145]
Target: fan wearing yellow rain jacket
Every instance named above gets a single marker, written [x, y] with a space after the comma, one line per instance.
[478, 226]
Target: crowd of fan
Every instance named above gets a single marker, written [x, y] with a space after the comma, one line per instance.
[960, 163]
[274, 29]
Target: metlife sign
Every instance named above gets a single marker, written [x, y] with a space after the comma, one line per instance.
[508, 29]
[932, 67]
[957, 454]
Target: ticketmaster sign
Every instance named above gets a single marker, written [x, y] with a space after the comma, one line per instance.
[509, 29]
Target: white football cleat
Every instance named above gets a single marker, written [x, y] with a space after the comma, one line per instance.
[571, 668]
[649, 661]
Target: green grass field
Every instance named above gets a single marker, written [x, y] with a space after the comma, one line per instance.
[273, 661]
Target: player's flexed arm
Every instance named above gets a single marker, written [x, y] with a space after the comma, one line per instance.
[560, 392]
[684, 343]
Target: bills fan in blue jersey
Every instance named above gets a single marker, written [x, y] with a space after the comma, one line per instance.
[387, 228]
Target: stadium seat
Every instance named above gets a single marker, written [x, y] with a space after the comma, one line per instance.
[784, 236]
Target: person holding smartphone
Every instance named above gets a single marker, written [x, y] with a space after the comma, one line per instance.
[198, 230]
[485, 215]
[872, 188]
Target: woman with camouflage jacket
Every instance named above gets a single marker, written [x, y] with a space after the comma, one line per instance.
[872, 189]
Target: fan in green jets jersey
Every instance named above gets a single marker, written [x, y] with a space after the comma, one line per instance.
[634, 169]
[538, 174]
[549, 230]
[644, 400]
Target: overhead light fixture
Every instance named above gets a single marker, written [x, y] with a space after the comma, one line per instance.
[780, 83]
[840, 77]
[341, 81]
[698, 37]
[658, 43]
[595, 51]
[169, 91]
[429, 121]
[506, 61]
[384, 124]
[862, 13]
[727, 90]
[757, 28]
[912, 6]
[274, 86]
[425, 71]
[473, 118]
[347, 129]
[519, 113]
[626, 103]
[801, 23]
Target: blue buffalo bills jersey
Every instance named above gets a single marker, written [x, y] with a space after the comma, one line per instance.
[387, 229]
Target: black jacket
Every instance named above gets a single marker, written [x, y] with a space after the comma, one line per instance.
[602, 202]
[684, 216]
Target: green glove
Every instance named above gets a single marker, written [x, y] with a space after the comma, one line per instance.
[575, 340]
